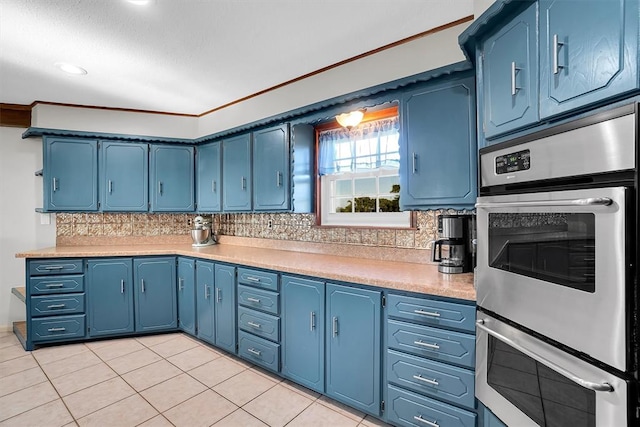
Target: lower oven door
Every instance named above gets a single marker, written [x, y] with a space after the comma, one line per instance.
[555, 262]
[527, 382]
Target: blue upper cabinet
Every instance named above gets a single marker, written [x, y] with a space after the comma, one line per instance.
[187, 295]
[209, 177]
[236, 174]
[225, 310]
[588, 52]
[124, 182]
[438, 146]
[172, 178]
[110, 296]
[70, 174]
[271, 169]
[508, 75]
[156, 307]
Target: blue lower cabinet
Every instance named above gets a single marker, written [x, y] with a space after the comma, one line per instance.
[410, 409]
[204, 301]
[48, 305]
[259, 351]
[259, 299]
[187, 295]
[156, 306]
[262, 324]
[303, 331]
[110, 296]
[353, 346]
[58, 328]
[225, 307]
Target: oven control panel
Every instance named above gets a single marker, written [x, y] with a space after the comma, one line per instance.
[513, 162]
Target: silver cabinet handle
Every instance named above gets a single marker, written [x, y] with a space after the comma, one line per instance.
[243, 183]
[253, 279]
[213, 186]
[335, 327]
[414, 159]
[55, 285]
[514, 70]
[252, 299]
[54, 184]
[218, 295]
[110, 186]
[422, 420]
[142, 285]
[122, 286]
[180, 283]
[56, 329]
[160, 188]
[53, 306]
[254, 351]
[425, 380]
[593, 201]
[54, 267]
[206, 292]
[313, 321]
[480, 324]
[254, 325]
[556, 47]
[427, 313]
[278, 179]
[427, 344]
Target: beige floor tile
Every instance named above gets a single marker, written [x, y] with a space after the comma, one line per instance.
[128, 412]
[71, 424]
[370, 421]
[309, 394]
[151, 340]
[21, 380]
[320, 416]
[273, 377]
[244, 387]
[200, 411]
[240, 418]
[117, 349]
[193, 358]
[26, 399]
[71, 364]
[172, 392]
[54, 353]
[82, 379]
[158, 421]
[216, 371]
[52, 414]
[133, 361]
[97, 397]
[11, 352]
[277, 406]
[150, 375]
[174, 346]
[9, 339]
[345, 410]
[14, 366]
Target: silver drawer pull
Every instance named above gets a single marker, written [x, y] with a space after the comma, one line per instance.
[180, 283]
[253, 279]
[425, 380]
[335, 327]
[252, 299]
[254, 352]
[254, 325]
[218, 295]
[122, 286]
[426, 344]
[142, 285]
[427, 313]
[52, 306]
[56, 329]
[54, 267]
[55, 285]
[422, 420]
[313, 321]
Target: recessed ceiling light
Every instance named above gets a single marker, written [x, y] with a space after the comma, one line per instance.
[70, 68]
[139, 2]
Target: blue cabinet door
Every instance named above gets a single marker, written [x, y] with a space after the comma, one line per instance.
[588, 52]
[236, 173]
[303, 332]
[209, 177]
[70, 174]
[172, 180]
[438, 147]
[156, 305]
[225, 310]
[124, 178]
[271, 169]
[509, 70]
[204, 301]
[353, 347]
[110, 296]
[187, 295]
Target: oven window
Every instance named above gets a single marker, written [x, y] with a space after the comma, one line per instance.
[555, 247]
[545, 396]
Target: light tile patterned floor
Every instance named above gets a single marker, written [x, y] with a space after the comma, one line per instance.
[153, 381]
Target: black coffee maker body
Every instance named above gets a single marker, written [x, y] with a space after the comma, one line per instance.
[454, 251]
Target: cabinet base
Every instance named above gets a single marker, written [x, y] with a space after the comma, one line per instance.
[20, 330]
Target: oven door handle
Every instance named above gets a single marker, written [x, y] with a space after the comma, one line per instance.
[591, 201]
[586, 384]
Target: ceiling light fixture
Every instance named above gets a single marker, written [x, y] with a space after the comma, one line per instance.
[139, 2]
[70, 68]
[349, 120]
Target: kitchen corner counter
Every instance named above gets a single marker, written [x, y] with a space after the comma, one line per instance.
[404, 276]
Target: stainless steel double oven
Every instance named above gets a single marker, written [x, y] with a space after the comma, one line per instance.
[556, 277]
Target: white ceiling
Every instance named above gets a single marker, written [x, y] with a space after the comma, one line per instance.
[190, 56]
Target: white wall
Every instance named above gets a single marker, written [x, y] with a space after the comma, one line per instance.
[20, 228]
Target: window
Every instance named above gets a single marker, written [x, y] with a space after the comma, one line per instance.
[359, 178]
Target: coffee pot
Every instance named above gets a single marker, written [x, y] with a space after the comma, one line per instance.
[455, 249]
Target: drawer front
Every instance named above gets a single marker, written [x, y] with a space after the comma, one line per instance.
[257, 278]
[433, 313]
[58, 328]
[434, 379]
[70, 266]
[438, 344]
[410, 409]
[259, 351]
[257, 298]
[57, 304]
[56, 284]
[258, 323]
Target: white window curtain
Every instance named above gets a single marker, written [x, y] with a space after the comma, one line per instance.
[369, 146]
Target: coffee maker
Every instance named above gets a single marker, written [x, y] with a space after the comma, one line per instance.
[457, 242]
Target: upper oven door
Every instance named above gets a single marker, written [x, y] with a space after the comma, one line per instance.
[555, 263]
